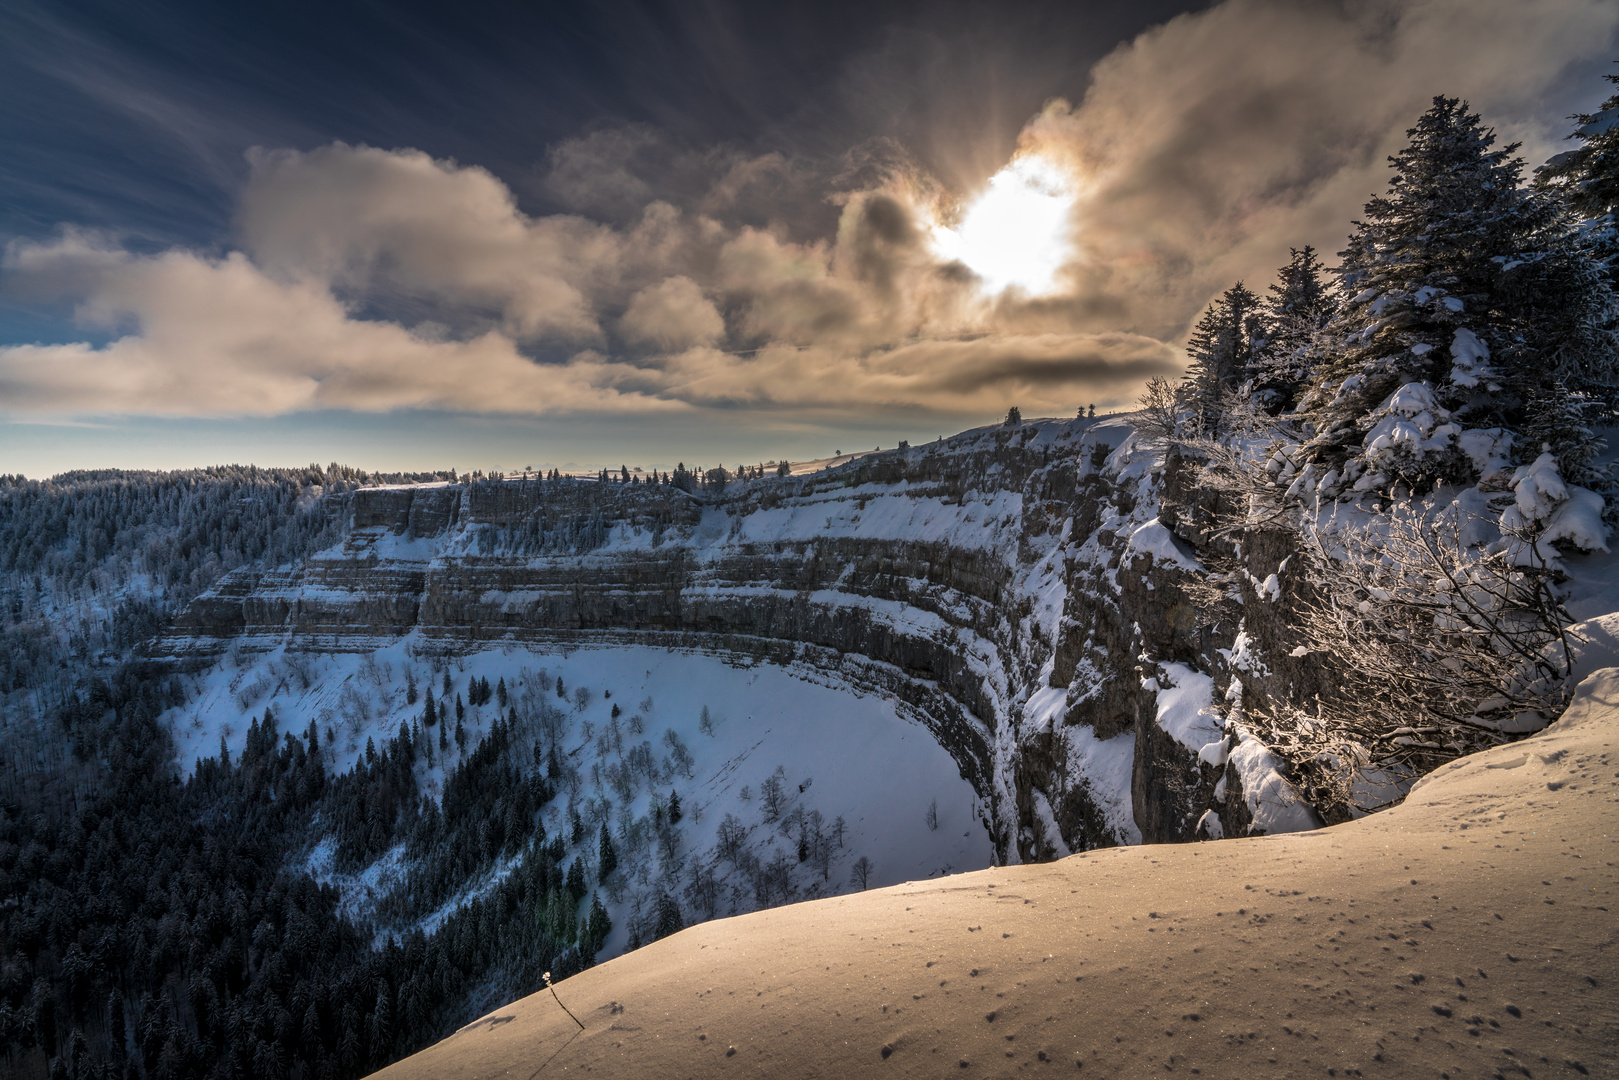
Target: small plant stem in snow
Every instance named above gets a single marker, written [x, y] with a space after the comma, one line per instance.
[551, 987]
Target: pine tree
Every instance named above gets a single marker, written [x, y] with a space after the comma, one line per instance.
[558, 916]
[1462, 291]
[1295, 309]
[1588, 177]
[606, 855]
[115, 1021]
[576, 880]
[597, 926]
[674, 808]
[430, 713]
[1223, 349]
[669, 917]
[1556, 423]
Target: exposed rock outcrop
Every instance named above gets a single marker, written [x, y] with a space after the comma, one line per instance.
[1013, 586]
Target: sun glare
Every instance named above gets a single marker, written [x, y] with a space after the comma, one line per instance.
[1016, 234]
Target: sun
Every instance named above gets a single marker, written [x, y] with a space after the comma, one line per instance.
[1016, 235]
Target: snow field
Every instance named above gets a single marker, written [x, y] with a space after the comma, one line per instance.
[842, 752]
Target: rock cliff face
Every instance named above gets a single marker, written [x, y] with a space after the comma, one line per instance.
[1013, 586]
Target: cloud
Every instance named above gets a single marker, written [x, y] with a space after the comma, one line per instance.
[1048, 374]
[673, 314]
[220, 337]
[1211, 144]
[211, 337]
[600, 173]
[399, 223]
[684, 281]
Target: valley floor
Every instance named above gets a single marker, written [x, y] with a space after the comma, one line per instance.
[1468, 932]
[852, 755]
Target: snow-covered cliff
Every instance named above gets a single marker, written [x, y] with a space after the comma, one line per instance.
[1011, 588]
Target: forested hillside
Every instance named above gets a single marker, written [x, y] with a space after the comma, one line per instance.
[97, 835]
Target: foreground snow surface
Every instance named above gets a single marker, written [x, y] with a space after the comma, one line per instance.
[844, 753]
[1462, 933]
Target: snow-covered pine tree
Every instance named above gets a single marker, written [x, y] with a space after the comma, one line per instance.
[1223, 350]
[1460, 294]
[1588, 177]
[1296, 307]
[1556, 422]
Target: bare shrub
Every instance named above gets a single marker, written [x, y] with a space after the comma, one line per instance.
[861, 873]
[1436, 644]
[1160, 409]
[1439, 647]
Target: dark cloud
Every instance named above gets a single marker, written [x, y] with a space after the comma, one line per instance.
[1085, 368]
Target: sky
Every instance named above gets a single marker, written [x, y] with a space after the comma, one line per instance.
[494, 236]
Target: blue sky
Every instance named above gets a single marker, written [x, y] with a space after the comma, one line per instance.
[480, 235]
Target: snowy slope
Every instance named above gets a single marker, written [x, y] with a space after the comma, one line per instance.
[845, 753]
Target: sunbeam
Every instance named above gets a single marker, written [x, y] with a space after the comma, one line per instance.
[1017, 233]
